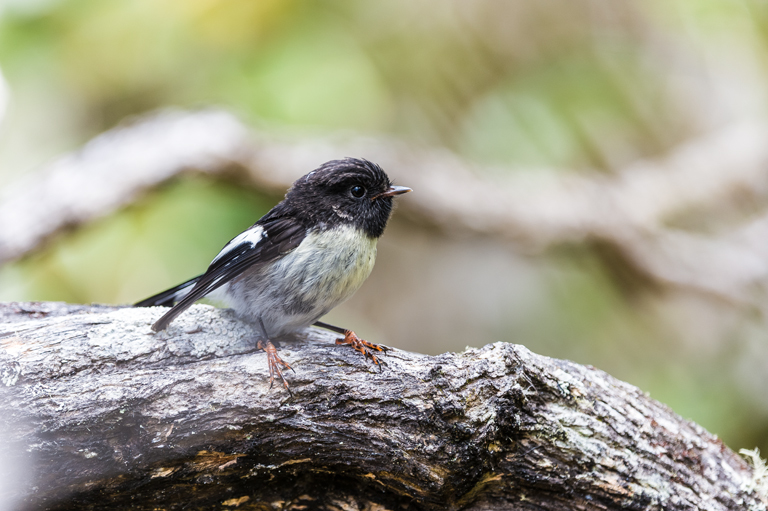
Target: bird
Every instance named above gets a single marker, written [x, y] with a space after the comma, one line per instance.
[307, 255]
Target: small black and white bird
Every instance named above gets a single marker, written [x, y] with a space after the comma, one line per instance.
[311, 252]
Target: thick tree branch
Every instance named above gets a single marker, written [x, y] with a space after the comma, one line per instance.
[110, 415]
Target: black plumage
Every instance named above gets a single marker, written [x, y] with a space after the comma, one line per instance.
[321, 200]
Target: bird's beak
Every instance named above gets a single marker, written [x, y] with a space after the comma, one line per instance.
[392, 191]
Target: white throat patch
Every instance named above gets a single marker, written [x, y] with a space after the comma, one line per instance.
[341, 214]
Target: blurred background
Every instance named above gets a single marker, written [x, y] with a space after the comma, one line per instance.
[553, 90]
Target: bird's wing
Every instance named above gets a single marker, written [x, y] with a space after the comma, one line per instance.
[170, 296]
[259, 245]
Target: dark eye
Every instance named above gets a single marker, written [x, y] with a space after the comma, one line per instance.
[357, 191]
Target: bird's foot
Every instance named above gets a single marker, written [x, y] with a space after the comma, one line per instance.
[274, 361]
[361, 345]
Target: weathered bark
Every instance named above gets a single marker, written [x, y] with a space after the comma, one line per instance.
[110, 415]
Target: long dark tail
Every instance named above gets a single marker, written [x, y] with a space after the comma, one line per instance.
[170, 296]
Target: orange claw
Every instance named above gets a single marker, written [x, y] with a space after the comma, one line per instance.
[274, 361]
[361, 345]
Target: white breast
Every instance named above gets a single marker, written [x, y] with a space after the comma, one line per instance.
[292, 293]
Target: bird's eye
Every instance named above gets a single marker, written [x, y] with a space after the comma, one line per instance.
[357, 191]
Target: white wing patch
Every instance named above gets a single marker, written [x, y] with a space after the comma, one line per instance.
[253, 236]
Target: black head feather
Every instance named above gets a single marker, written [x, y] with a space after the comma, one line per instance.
[341, 192]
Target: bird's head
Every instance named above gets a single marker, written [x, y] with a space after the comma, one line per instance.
[346, 192]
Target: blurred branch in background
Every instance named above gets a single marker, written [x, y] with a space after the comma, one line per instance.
[636, 215]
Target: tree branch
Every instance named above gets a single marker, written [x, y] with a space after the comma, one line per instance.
[110, 415]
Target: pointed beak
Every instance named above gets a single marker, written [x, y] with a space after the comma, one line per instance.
[391, 192]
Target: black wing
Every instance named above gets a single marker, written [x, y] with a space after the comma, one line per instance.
[261, 244]
[168, 297]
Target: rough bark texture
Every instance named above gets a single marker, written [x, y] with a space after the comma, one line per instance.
[108, 415]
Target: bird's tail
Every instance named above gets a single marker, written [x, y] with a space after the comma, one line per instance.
[170, 296]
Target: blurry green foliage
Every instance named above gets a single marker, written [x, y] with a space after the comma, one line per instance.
[577, 93]
[158, 242]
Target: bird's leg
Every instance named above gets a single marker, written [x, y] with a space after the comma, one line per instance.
[351, 339]
[273, 359]
[361, 345]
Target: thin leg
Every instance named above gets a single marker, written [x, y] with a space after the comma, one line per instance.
[351, 339]
[273, 359]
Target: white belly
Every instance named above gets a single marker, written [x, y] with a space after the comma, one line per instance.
[292, 293]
